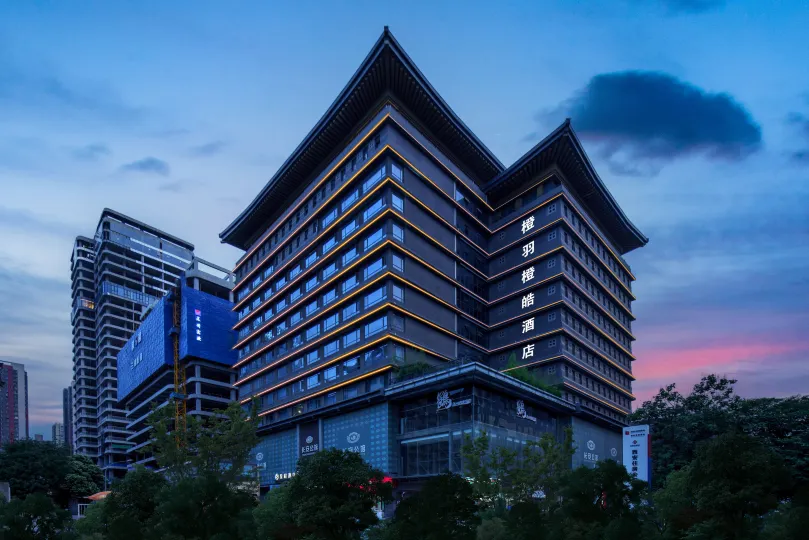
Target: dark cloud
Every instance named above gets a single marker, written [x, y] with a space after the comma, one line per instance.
[208, 149]
[150, 165]
[801, 123]
[91, 152]
[647, 119]
[692, 6]
[172, 187]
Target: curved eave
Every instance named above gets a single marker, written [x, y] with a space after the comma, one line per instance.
[563, 149]
[386, 71]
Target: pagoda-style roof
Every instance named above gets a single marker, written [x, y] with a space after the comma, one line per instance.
[563, 150]
[387, 72]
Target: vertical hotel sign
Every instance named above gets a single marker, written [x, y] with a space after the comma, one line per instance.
[637, 452]
[198, 324]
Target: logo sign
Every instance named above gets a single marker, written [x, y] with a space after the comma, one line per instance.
[522, 413]
[591, 445]
[259, 457]
[443, 400]
[614, 452]
[309, 439]
[590, 454]
[353, 437]
[637, 446]
[283, 476]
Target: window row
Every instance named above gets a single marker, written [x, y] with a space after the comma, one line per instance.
[596, 293]
[597, 244]
[583, 329]
[596, 316]
[595, 406]
[596, 387]
[328, 187]
[607, 279]
[596, 363]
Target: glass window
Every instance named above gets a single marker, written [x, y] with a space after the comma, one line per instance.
[372, 180]
[295, 271]
[297, 341]
[280, 305]
[329, 296]
[349, 255]
[282, 327]
[372, 210]
[331, 321]
[312, 357]
[349, 311]
[329, 270]
[351, 199]
[374, 327]
[374, 238]
[351, 338]
[398, 202]
[328, 218]
[373, 268]
[311, 308]
[313, 332]
[331, 398]
[280, 283]
[375, 297]
[328, 244]
[312, 381]
[295, 319]
[397, 323]
[294, 295]
[331, 348]
[398, 263]
[348, 229]
[349, 284]
[297, 364]
[330, 374]
[270, 269]
[398, 293]
[350, 392]
[398, 232]
[396, 171]
[310, 259]
[311, 284]
[352, 364]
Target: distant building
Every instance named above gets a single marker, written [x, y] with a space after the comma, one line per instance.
[13, 402]
[67, 416]
[116, 275]
[58, 433]
[204, 308]
[39, 437]
[396, 275]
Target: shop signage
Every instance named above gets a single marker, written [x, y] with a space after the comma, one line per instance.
[444, 400]
[309, 439]
[522, 413]
[637, 445]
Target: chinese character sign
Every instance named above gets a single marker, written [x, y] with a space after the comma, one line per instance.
[528, 274]
[637, 446]
[527, 325]
[528, 249]
[527, 224]
[198, 324]
[528, 351]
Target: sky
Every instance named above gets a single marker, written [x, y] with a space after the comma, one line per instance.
[694, 112]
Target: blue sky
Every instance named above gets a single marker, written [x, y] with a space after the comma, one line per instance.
[695, 113]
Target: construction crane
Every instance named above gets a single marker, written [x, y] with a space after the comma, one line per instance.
[179, 395]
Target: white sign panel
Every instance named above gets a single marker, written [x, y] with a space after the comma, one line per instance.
[637, 446]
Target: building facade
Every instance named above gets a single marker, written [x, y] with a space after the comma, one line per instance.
[116, 275]
[13, 402]
[393, 243]
[58, 433]
[67, 416]
[205, 354]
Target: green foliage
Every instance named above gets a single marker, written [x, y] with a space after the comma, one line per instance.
[444, 509]
[34, 518]
[35, 467]
[732, 483]
[216, 446]
[84, 477]
[492, 529]
[414, 369]
[332, 495]
[680, 423]
[523, 374]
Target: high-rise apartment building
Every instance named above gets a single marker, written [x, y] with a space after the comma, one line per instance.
[67, 416]
[13, 402]
[58, 433]
[397, 275]
[126, 267]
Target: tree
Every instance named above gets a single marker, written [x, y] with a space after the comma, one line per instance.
[331, 496]
[217, 445]
[602, 502]
[444, 509]
[35, 467]
[724, 493]
[83, 477]
[34, 518]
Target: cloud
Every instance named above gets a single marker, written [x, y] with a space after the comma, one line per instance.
[172, 187]
[149, 165]
[801, 123]
[208, 149]
[23, 220]
[91, 152]
[692, 6]
[647, 119]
